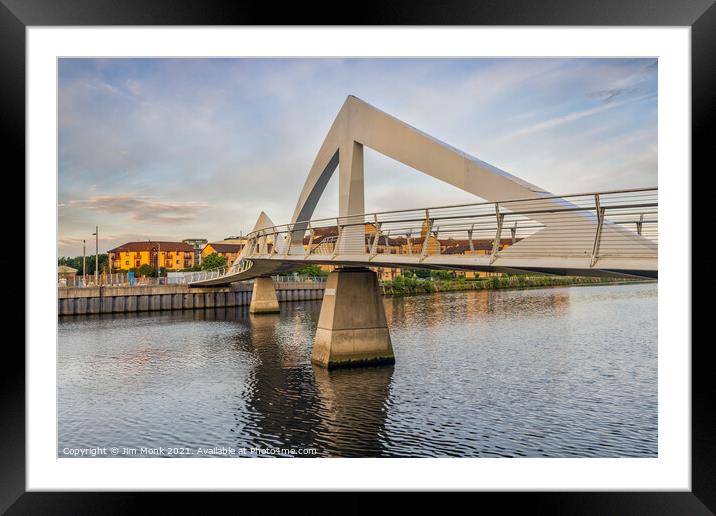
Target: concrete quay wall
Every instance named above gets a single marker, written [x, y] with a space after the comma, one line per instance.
[106, 300]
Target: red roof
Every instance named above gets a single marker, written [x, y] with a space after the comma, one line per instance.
[226, 248]
[152, 245]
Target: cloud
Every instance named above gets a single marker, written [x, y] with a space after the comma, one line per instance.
[141, 207]
[570, 117]
[134, 87]
[70, 241]
[609, 95]
[237, 136]
[70, 245]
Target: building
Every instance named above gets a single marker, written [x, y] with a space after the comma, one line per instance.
[171, 256]
[65, 275]
[63, 271]
[235, 240]
[230, 251]
[324, 241]
[198, 244]
[479, 247]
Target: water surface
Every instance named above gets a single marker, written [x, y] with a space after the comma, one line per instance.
[554, 372]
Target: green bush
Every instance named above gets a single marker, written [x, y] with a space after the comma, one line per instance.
[213, 261]
[146, 270]
[311, 270]
[444, 275]
[408, 285]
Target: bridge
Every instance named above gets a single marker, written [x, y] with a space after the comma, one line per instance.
[518, 228]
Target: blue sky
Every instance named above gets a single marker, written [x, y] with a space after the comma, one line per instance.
[196, 148]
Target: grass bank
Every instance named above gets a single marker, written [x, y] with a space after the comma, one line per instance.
[403, 286]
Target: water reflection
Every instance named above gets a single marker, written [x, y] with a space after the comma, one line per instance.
[278, 394]
[547, 372]
[339, 413]
[483, 304]
[353, 408]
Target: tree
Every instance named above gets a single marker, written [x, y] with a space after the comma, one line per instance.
[76, 263]
[444, 275]
[417, 273]
[146, 270]
[311, 270]
[213, 261]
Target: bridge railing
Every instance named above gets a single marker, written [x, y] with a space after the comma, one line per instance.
[115, 279]
[210, 274]
[104, 280]
[299, 279]
[622, 223]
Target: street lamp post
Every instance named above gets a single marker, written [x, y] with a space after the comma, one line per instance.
[84, 263]
[96, 255]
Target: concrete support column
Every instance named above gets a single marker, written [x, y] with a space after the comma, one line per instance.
[352, 328]
[263, 298]
[351, 197]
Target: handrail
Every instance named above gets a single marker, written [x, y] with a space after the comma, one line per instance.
[593, 226]
[603, 224]
[274, 229]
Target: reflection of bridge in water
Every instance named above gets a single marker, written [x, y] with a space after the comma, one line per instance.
[326, 412]
[346, 412]
[612, 233]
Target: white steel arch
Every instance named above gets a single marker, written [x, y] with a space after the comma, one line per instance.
[359, 124]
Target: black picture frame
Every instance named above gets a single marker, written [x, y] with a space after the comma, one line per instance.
[17, 15]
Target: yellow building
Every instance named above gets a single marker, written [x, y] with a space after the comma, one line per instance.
[167, 255]
[225, 248]
[479, 247]
[234, 240]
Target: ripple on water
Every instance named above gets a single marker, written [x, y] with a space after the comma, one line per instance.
[558, 372]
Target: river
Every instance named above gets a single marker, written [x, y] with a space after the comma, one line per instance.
[552, 372]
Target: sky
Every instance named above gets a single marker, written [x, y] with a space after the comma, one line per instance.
[168, 149]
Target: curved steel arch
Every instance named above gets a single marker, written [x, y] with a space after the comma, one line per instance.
[358, 124]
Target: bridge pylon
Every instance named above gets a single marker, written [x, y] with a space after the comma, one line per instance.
[263, 297]
[352, 327]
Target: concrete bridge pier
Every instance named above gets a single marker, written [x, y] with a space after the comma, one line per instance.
[263, 297]
[352, 328]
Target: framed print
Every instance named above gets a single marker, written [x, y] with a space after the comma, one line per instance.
[418, 252]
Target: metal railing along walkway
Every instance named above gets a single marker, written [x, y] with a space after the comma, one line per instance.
[613, 231]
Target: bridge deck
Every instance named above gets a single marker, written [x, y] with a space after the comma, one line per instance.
[596, 234]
